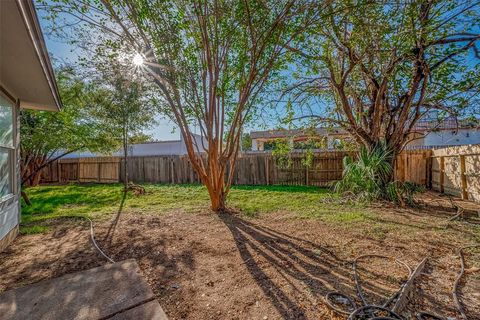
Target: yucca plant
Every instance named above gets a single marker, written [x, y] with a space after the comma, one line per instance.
[402, 192]
[365, 176]
[368, 178]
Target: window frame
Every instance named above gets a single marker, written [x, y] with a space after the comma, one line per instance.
[11, 150]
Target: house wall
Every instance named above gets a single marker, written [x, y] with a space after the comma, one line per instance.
[437, 138]
[153, 148]
[160, 148]
[10, 205]
[257, 145]
[450, 137]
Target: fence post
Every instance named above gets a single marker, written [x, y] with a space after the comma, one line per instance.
[306, 175]
[429, 170]
[267, 169]
[78, 170]
[59, 180]
[172, 169]
[442, 173]
[463, 177]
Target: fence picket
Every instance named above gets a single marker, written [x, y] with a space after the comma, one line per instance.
[250, 169]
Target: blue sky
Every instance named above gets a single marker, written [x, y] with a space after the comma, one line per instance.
[63, 52]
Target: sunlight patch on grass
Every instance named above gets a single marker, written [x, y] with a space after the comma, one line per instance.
[97, 201]
[347, 216]
[33, 229]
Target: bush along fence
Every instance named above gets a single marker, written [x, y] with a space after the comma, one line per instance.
[250, 169]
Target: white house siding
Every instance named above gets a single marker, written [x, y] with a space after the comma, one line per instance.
[254, 145]
[450, 137]
[10, 205]
[159, 148]
[162, 148]
[27, 80]
[444, 137]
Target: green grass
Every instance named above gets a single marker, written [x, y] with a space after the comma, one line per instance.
[33, 229]
[98, 201]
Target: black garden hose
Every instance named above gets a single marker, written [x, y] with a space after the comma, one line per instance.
[366, 311]
[458, 304]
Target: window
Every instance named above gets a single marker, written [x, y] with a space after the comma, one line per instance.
[7, 147]
[5, 172]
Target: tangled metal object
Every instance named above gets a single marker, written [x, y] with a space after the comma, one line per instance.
[428, 316]
[344, 304]
[374, 313]
[336, 299]
[461, 274]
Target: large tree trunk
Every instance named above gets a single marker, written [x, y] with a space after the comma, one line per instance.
[26, 198]
[217, 199]
[32, 172]
[216, 173]
[393, 148]
[125, 159]
[215, 182]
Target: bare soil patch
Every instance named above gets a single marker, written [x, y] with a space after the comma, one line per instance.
[276, 266]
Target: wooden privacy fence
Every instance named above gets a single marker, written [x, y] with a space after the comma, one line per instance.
[414, 166]
[102, 169]
[250, 169]
[456, 171]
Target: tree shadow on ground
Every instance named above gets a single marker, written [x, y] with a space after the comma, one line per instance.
[111, 230]
[295, 274]
[68, 249]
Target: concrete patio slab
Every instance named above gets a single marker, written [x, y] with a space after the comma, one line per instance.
[150, 310]
[115, 291]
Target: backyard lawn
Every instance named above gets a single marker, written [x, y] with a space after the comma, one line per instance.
[275, 256]
[100, 201]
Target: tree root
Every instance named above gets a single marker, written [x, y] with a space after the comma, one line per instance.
[135, 188]
[460, 215]
[26, 198]
[459, 209]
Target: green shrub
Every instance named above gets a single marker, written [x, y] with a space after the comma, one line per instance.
[368, 178]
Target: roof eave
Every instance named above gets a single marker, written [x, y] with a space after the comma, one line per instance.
[32, 23]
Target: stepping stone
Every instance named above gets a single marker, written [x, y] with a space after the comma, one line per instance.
[115, 291]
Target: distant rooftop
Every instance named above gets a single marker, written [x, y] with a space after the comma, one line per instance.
[423, 125]
[278, 133]
[447, 124]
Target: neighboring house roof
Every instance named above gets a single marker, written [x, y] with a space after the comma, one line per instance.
[424, 125]
[282, 133]
[25, 69]
[447, 124]
[150, 148]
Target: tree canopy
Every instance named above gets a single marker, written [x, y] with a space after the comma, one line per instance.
[374, 68]
[47, 136]
[210, 61]
[124, 107]
[377, 68]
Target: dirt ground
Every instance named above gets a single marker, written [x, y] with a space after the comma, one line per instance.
[275, 266]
